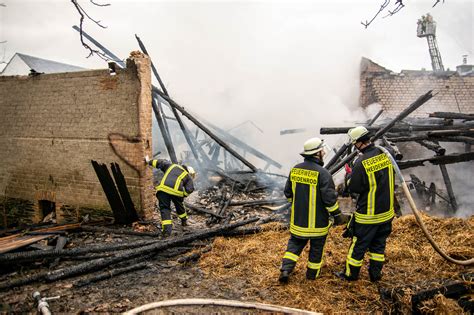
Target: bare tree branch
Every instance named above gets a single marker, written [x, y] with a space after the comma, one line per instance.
[437, 1]
[100, 5]
[397, 8]
[84, 14]
[382, 7]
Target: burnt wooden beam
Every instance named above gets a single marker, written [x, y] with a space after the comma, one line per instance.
[101, 263]
[202, 210]
[467, 137]
[259, 202]
[110, 273]
[101, 229]
[130, 214]
[449, 187]
[376, 116]
[439, 150]
[407, 111]
[164, 131]
[155, 72]
[448, 115]
[346, 146]
[175, 105]
[36, 255]
[339, 153]
[132, 253]
[292, 131]
[437, 160]
[398, 128]
[111, 192]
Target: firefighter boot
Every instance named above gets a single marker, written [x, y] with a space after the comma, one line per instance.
[375, 270]
[184, 222]
[311, 274]
[284, 276]
[166, 230]
[353, 275]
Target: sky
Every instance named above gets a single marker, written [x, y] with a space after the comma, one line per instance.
[279, 64]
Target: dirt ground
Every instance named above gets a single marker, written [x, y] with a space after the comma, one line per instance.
[246, 268]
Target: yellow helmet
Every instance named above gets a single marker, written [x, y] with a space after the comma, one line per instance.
[312, 146]
[357, 133]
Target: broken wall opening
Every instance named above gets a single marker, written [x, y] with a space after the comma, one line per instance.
[46, 208]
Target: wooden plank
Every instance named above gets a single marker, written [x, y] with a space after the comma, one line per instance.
[19, 242]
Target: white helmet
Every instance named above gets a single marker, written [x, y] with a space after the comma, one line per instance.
[312, 146]
[356, 133]
[191, 172]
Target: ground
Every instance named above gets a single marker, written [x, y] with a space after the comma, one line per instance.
[246, 268]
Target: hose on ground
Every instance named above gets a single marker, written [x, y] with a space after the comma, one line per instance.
[418, 217]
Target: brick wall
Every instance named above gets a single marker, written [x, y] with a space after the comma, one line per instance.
[53, 125]
[395, 91]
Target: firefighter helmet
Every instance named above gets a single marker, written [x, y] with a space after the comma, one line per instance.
[312, 146]
[357, 133]
[191, 172]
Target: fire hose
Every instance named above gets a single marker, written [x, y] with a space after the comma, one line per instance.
[418, 217]
[42, 303]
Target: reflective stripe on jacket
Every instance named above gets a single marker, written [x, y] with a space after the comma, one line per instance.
[176, 180]
[311, 190]
[373, 179]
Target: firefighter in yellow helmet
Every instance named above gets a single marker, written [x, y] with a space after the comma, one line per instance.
[176, 184]
[373, 180]
[310, 189]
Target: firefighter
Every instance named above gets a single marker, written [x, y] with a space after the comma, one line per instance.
[310, 189]
[176, 184]
[373, 180]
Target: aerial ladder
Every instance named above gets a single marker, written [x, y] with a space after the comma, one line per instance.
[427, 28]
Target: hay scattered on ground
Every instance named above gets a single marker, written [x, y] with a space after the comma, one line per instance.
[440, 305]
[255, 261]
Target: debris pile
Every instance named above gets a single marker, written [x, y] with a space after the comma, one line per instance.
[411, 134]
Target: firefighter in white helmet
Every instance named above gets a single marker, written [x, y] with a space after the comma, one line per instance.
[176, 184]
[373, 180]
[311, 191]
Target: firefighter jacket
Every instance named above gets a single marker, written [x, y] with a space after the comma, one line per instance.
[313, 197]
[373, 179]
[176, 181]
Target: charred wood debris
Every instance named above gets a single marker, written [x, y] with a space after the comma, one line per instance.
[239, 198]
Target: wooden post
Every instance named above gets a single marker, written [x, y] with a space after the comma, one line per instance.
[449, 187]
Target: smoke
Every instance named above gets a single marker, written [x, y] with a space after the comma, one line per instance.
[281, 65]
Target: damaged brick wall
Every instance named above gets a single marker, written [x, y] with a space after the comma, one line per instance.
[53, 125]
[395, 91]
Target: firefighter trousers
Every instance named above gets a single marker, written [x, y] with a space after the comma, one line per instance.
[293, 252]
[371, 238]
[164, 203]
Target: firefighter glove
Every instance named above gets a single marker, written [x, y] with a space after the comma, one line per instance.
[349, 229]
[341, 219]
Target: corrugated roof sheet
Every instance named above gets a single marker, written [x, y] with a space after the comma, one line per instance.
[47, 66]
